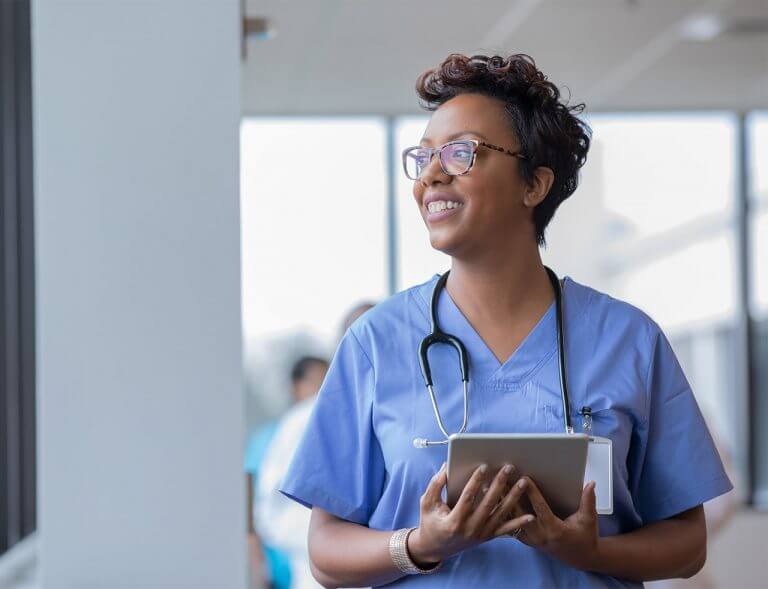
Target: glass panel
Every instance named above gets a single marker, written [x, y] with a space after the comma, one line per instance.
[758, 172]
[758, 161]
[313, 197]
[663, 170]
[690, 287]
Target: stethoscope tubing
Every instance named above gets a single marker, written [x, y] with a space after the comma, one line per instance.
[438, 336]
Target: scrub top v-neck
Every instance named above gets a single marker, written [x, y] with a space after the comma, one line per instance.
[357, 460]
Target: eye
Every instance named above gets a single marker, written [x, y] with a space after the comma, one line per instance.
[421, 158]
[462, 153]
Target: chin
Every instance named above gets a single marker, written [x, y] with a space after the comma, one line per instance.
[445, 242]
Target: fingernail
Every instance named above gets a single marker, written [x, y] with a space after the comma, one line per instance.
[522, 484]
[483, 468]
[443, 466]
[507, 468]
[529, 519]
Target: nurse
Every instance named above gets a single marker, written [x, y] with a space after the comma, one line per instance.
[500, 153]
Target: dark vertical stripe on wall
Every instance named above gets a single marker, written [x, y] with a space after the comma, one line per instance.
[746, 323]
[17, 323]
[392, 166]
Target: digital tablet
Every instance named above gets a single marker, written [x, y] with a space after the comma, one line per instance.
[555, 462]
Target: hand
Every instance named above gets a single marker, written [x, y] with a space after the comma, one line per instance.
[573, 540]
[443, 532]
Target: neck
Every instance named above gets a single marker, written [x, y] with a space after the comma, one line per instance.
[503, 287]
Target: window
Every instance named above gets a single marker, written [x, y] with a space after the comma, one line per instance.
[314, 226]
[662, 171]
[667, 184]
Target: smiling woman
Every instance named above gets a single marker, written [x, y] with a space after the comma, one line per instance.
[520, 101]
[500, 153]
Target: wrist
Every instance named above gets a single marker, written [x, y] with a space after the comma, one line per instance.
[419, 553]
[594, 557]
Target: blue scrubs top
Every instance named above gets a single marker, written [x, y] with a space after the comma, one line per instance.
[357, 459]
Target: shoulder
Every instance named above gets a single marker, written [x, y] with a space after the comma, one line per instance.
[402, 310]
[601, 315]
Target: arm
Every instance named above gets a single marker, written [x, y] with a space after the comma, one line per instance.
[674, 547]
[442, 532]
[332, 562]
[671, 548]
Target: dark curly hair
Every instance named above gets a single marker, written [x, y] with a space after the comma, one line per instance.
[549, 131]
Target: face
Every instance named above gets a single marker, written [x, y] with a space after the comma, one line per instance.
[310, 384]
[494, 203]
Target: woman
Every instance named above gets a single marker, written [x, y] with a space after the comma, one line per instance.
[486, 203]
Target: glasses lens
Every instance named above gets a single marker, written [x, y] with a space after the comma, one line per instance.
[456, 157]
[415, 160]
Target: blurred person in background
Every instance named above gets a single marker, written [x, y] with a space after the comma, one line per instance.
[271, 567]
[281, 522]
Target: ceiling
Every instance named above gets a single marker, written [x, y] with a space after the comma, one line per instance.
[347, 57]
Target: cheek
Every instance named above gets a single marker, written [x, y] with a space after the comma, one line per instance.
[417, 191]
[496, 203]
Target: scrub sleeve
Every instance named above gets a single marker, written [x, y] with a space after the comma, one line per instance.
[338, 465]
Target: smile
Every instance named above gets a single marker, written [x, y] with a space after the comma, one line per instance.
[442, 205]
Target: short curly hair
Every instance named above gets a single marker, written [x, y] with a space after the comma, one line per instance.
[549, 130]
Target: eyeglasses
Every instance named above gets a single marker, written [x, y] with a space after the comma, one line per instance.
[456, 157]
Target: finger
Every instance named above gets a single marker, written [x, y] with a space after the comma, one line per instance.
[540, 505]
[467, 499]
[432, 496]
[495, 492]
[588, 505]
[513, 524]
[509, 505]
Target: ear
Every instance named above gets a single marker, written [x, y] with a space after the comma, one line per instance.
[539, 187]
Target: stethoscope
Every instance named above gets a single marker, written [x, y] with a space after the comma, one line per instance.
[438, 336]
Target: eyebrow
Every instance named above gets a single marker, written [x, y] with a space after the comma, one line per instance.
[457, 135]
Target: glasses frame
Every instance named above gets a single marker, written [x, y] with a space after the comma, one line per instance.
[475, 143]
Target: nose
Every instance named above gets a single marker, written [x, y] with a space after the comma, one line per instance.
[433, 173]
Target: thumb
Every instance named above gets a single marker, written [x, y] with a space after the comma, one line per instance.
[588, 500]
[435, 487]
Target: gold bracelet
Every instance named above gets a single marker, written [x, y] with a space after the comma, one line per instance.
[398, 550]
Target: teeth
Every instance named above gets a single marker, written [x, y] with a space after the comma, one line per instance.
[441, 205]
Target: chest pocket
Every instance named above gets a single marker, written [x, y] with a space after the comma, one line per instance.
[608, 422]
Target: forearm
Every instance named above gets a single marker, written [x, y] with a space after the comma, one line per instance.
[345, 554]
[671, 548]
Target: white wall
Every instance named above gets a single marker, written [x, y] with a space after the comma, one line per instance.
[138, 294]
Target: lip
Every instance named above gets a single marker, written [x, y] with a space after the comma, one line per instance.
[440, 215]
